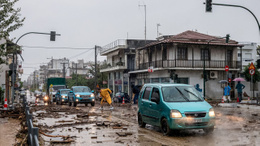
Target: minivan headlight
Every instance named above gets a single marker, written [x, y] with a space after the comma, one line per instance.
[175, 114]
[92, 95]
[77, 95]
[211, 113]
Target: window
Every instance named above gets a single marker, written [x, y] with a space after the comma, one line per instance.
[183, 80]
[147, 80]
[155, 80]
[182, 53]
[205, 54]
[155, 93]
[239, 55]
[164, 55]
[147, 93]
[165, 80]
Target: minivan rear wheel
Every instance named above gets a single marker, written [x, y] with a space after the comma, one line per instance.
[141, 123]
[165, 127]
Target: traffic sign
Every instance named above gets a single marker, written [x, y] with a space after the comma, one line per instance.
[229, 80]
[251, 72]
[150, 69]
[251, 66]
[226, 68]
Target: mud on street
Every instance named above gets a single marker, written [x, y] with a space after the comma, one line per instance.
[81, 125]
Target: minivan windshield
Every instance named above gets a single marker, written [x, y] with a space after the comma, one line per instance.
[64, 91]
[82, 89]
[181, 94]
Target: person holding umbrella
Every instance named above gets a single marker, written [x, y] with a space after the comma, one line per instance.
[227, 92]
[240, 88]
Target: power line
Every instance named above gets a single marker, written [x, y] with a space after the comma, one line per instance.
[79, 54]
[62, 48]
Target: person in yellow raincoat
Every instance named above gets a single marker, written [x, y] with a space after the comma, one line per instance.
[105, 94]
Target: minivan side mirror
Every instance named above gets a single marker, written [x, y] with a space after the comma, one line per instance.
[155, 99]
[71, 91]
[92, 91]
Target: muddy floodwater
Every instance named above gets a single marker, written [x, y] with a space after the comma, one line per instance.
[64, 125]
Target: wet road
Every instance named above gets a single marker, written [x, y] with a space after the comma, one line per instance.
[89, 126]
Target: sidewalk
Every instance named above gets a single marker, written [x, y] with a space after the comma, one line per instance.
[243, 104]
[9, 129]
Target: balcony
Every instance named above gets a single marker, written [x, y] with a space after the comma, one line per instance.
[190, 64]
[121, 43]
[115, 66]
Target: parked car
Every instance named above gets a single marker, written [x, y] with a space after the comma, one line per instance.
[62, 96]
[38, 94]
[118, 98]
[174, 107]
[81, 94]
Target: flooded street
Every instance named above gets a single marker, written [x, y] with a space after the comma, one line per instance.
[64, 125]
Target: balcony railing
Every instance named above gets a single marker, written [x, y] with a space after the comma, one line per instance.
[190, 64]
[114, 66]
[117, 43]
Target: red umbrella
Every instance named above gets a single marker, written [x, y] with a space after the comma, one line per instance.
[239, 79]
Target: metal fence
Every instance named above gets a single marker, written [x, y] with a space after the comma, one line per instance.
[33, 132]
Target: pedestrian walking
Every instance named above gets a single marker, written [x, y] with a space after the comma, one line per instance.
[105, 94]
[240, 88]
[136, 91]
[227, 92]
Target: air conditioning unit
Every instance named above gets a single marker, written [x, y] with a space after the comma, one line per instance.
[213, 74]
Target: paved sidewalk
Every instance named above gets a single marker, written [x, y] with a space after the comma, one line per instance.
[243, 104]
[9, 129]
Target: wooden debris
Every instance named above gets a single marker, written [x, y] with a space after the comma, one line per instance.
[53, 135]
[63, 141]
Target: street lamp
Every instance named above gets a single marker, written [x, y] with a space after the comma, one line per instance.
[52, 38]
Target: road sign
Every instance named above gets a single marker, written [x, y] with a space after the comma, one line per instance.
[150, 69]
[229, 80]
[251, 72]
[251, 66]
[226, 68]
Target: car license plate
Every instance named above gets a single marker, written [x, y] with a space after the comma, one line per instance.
[197, 120]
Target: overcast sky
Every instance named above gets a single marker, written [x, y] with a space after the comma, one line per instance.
[86, 23]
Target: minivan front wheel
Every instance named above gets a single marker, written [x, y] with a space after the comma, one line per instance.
[165, 127]
[141, 123]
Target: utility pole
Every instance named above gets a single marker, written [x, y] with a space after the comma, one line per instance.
[63, 69]
[34, 79]
[144, 5]
[95, 66]
[158, 24]
[76, 74]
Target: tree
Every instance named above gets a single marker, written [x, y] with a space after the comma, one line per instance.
[90, 82]
[256, 76]
[9, 21]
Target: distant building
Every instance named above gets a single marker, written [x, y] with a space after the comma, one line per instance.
[249, 53]
[121, 59]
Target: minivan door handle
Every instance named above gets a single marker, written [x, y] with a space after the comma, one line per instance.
[150, 105]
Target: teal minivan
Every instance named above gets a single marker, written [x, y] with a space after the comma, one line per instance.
[174, 107]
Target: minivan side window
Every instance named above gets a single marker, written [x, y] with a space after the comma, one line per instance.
[156, 93]
[147, 93]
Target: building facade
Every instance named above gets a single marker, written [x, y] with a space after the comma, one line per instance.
[183, 58]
